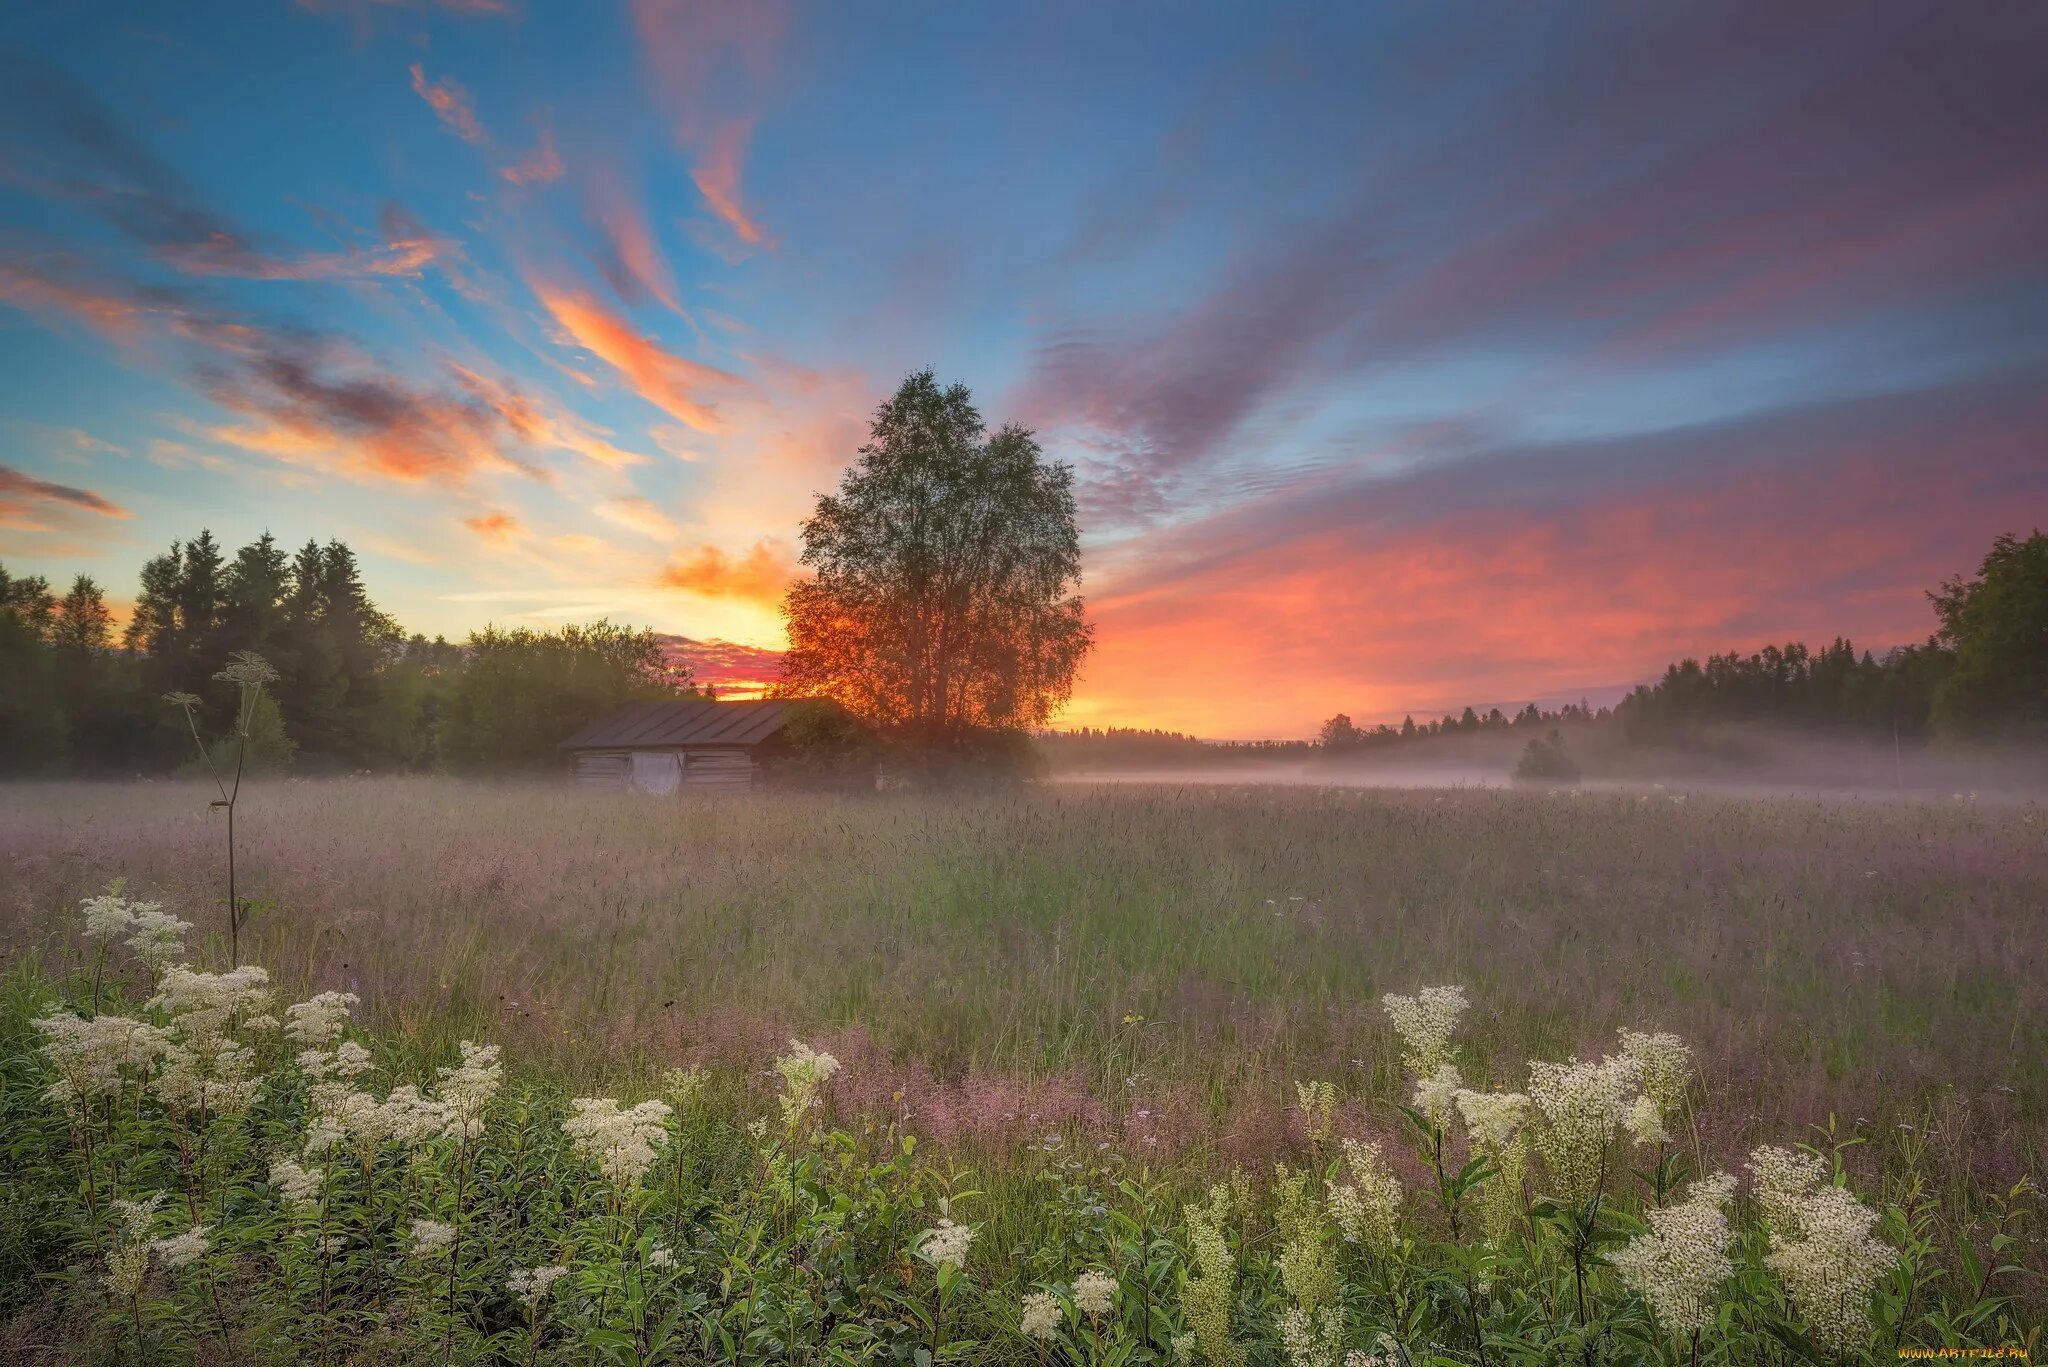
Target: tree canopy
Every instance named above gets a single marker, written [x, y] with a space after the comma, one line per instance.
[942, 596]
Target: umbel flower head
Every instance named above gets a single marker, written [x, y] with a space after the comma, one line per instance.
[805, 1071]
[620, 1142]
[1679, 1266]
[1094, 1293]
[1583, 1104]
[1822, 1247]
[946, 1245]
[1425, 1022]
[1040, 1318]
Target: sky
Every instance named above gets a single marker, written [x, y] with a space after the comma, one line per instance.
[1408, 356]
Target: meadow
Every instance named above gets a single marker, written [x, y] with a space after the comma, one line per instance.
[1144, 975]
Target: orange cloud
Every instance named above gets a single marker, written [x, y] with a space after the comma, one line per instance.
[25, 499]
[450, 102]
[631, 260]
[539, 166]
[114, 315]
[637, 514]
[717, 174]
[664, 379]
[496, 527]
[759, 576]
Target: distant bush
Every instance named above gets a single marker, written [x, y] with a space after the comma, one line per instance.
[822, 746]
[1544, 761]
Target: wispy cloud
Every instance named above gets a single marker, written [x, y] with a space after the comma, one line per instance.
[760, 575]
[26, 502]
[637, 514]
[668, 381]
[717, 176]
[451, 102]
[498, 527]
[538, 167]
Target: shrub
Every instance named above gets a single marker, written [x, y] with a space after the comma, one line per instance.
[1544, 761]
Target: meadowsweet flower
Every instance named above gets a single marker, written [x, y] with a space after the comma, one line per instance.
[330, 1245]
[468, 1087]
[213, 1074]
[429, 1237]
[201, 1005]
[410, 1120]
[1206, 1298]
[1832, 1265]
[1367, 1209]
[157, 937]
[946, 1245]
[1317, 1102]
[1582, 1105]
[93, 1057]
[533, 1284]
[181, 1250]
[661, 1257]
[298, 1187]
[110, 913]
[1679, 1266]
[1094, 1293]
[620, 1142]
[1665, 1063]
[1496, 1122]
[1645, 1121]
[682, 1086]
[128, 1259]
[1312, 1340]
[805, 1071]
[1183, 1347]
[1425, 1023]
[1783, 1178]
[320, 1019]
[1435, 1095]
[1040, 1318]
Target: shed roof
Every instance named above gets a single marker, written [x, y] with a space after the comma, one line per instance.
[682, 721]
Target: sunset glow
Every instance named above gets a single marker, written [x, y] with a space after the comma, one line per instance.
[1408, 356]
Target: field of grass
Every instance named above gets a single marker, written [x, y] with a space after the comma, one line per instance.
[1146, 969]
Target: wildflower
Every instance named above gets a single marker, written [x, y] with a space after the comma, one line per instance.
[468, 1087]
[181, 1250]
[1679, 1266]
[1308, 1263]
[1583, 1104]
[532, 1284]
[1425, 1023]
[1665, 1063]
[1183, 1347]
[202, 1005]
[1318, 1104]
[212, 1075]
[1435, 1094]
[320, 1019]
[620, 1142]
[409, 1119]
[661, 1257]
[1368, 1208]
[1495, 1121]
[247, 669]
[1206, 1299]
[1312, 1340]
[156, 936]
[682, 1085]
[92, 1057]
[1831, 1265]
[330, 1245]
[1041, 1316]
[128, 1259]
[805, 1071]
[429, 1237]
[946, 1245]
[1645, 1121]
[1094, 1293]
[298, 1187]
[109, 914]
[1783, 1178]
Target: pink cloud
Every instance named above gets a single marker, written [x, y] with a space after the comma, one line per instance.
[450, 102]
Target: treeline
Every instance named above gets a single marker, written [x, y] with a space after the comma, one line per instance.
[1981, 676]
[354, 690]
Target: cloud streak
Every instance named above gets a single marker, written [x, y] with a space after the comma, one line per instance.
[668, 381]
[26, 501]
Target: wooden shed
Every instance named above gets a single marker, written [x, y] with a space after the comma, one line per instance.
[674, 745]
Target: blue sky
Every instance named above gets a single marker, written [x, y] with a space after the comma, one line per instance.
[1408, 355]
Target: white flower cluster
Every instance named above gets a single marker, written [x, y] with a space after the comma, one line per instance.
[467, 1088]
[298, 1187]
[1367, 1209]
[805, 1071]
[1822, 1247]
[212, 1075]
[320, 1019]
[156, 936]
[201, 1005]
[1437, 1093]
[1494, 1119]
[1317, 1102]
[1425, 1023]
[93, 1057]
[128, 1259]
[1583, 1104]
[532, 1284]
[1666, 1066]
[1040, 1318]
[429, 1237]
[620, 1142]
[1679, 1266]
[1312, 1340]
[181, 1250]
[1094, 1293]
[946, 1245]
